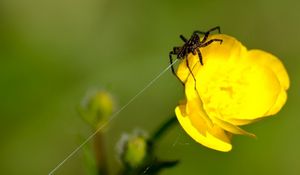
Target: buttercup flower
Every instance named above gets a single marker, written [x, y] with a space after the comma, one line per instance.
[234, 87]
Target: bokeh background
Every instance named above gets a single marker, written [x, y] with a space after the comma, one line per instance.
[53, 52]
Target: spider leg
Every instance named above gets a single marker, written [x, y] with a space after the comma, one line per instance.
[172, 67]
[176, 50]
[200, 56]
[210, 41]
[204, 38]
[199, 32]
[194, 52]
[171, 63]
[208, 32]
[183, 38]
[215, 28]
[188, 66]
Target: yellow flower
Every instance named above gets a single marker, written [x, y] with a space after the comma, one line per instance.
[234, 87]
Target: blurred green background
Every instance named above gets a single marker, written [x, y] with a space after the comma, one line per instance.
[53, 52]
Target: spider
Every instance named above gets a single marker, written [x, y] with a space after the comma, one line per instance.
[193, 46]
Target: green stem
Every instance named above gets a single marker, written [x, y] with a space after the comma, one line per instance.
[99, 146]
[163, 128]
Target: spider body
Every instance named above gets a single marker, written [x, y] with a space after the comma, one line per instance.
[193, 46]
[189, 46]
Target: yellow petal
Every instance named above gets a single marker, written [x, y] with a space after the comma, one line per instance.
[240, 122]
[260, 92]
[281, 99]
[273, 63]
[266, 59]
[230, 50]
[210, 139]
[194, 109]
[232, 128]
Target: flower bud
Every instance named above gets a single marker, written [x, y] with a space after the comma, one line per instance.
[97, 107]
[133, 149]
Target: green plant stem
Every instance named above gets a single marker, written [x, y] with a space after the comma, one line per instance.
[163, 128]
[99, 146]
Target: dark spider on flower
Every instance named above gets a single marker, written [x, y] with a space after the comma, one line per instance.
[193, 46]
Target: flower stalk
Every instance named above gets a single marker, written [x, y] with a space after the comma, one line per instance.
[100, 156]
[165, 126]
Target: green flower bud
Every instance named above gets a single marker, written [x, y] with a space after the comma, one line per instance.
[133, 149]
[97, 107]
